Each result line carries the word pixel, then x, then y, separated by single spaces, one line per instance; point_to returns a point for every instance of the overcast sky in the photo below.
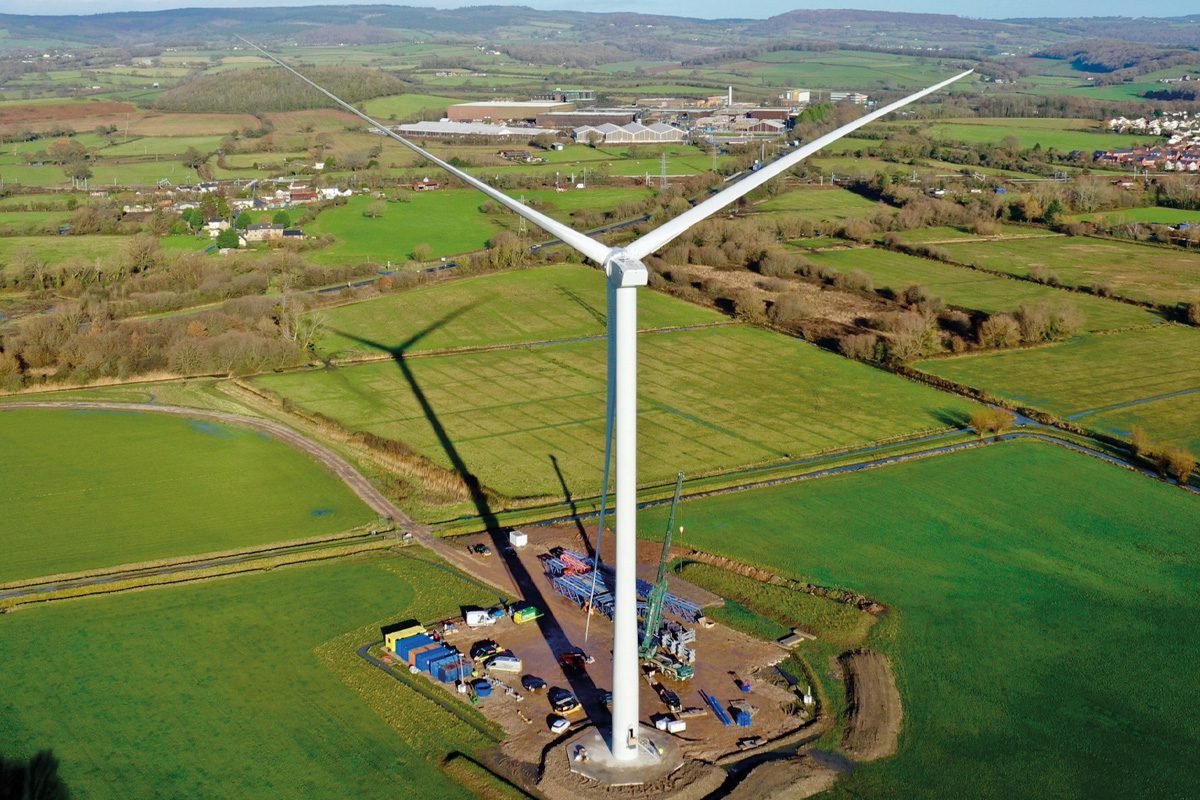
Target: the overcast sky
pixel 697 8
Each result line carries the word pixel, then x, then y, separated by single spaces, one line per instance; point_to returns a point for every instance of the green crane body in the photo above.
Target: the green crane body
pixel 652 619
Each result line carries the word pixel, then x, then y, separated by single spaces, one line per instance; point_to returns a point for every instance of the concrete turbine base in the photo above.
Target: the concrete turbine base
pixel 658 756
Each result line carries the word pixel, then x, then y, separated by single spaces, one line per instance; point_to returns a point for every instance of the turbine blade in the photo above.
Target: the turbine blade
pixel 593 249
pixel 660 236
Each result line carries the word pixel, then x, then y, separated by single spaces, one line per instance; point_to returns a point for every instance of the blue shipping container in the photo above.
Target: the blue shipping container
pixel 445 658
pixel 425 657
pixel 410 643
pixel 454 671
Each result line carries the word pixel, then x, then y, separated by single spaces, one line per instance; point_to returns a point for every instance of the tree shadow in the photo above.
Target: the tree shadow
pixel 952 417
pixel 526 583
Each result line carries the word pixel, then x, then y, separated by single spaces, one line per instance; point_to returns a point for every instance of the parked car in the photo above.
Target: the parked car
pixel 563 701
pixel 482 549
pixel 484 648
pixel 559 724
pixel 532 683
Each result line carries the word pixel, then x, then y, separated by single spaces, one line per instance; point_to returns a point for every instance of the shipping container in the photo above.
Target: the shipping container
pixel 452 670
pixel 445 658
pixel 527 614
pixel 416 651
pixel 403 647
pixel 400 630
pixel 424 658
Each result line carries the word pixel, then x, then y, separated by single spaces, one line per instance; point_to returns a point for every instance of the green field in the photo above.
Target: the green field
pixel 943 234
pixel 56 249
pixel 843 69
pixel 1141 272
pixel 823 204
pixel 1150 214
pixel 1060 134
pixel 449 221
pixel 982 291
pixel 236 688
pixel 90 489
pixel 409 107
pixel 710 399
pixel 560 302
pixel 1095 372
pixel 1040 608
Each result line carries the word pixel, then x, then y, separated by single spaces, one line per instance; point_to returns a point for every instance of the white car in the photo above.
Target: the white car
pixel 559 724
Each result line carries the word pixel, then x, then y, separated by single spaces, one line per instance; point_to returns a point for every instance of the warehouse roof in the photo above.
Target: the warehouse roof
pixel 470 129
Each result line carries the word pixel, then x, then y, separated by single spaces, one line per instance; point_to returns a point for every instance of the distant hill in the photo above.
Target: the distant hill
pixel 271 89
pixel 635 33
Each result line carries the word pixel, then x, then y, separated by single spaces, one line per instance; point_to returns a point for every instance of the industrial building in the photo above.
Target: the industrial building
pixel 567 120
pixel 796 97
pixel 568 96
pixel 858 98
pixel 448 128
pixel 634 132
pixel 504 110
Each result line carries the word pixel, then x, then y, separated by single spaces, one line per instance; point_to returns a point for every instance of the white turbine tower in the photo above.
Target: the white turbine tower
pixel 626 273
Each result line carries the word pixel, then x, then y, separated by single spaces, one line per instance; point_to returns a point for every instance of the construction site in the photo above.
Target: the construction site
pixel 539 663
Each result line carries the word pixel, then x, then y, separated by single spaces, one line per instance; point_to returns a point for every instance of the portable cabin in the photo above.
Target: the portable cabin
pixel 400 630
pixel 526 614
pixel 404 647
pixel 446 657
pixel 423 658
pixel 518 538
pixel 417 651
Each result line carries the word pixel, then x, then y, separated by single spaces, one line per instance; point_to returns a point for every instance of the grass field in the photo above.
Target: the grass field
pixel 982 291
pixel 1061 134
pixel 841 69
pixel 237 688
pixel 449 221
pixel 56 249
pixel 93 489
pixel 949 234
pixel 823 204
pixel 1094 372
pixel 1150 214
pixel 1038 599
pixel 1141 272
pixel 531 305
pixel 409 107
pixel 709 399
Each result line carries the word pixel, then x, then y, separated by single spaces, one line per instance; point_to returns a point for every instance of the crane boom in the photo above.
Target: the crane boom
pixel 652 619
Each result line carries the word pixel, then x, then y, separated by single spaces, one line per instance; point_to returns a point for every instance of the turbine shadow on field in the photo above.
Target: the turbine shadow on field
pixel 581 683
pixel 570 501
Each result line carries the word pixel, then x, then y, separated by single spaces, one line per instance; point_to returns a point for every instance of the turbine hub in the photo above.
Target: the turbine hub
pixel 624 270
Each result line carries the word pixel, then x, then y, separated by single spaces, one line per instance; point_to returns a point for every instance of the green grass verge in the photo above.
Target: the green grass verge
pixel 243 687
pixel 1038 599
pixel 90 489
pixel 559 302
pixel 967 288
pixel 704 397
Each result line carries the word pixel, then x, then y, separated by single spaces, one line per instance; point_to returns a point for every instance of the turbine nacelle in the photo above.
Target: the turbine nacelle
pixel 623 270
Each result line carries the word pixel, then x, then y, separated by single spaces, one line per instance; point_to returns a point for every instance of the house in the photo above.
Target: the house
pixel 426 185
pixel 302 196
pixel 293 234
pixel 264 233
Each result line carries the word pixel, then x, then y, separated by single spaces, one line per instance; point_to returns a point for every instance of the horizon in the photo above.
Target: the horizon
pixel 705 9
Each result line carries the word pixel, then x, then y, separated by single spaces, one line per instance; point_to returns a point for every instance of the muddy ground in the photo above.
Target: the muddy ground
pixel 874 715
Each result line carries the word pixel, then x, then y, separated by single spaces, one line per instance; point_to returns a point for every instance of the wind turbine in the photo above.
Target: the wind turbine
pixel 626 273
